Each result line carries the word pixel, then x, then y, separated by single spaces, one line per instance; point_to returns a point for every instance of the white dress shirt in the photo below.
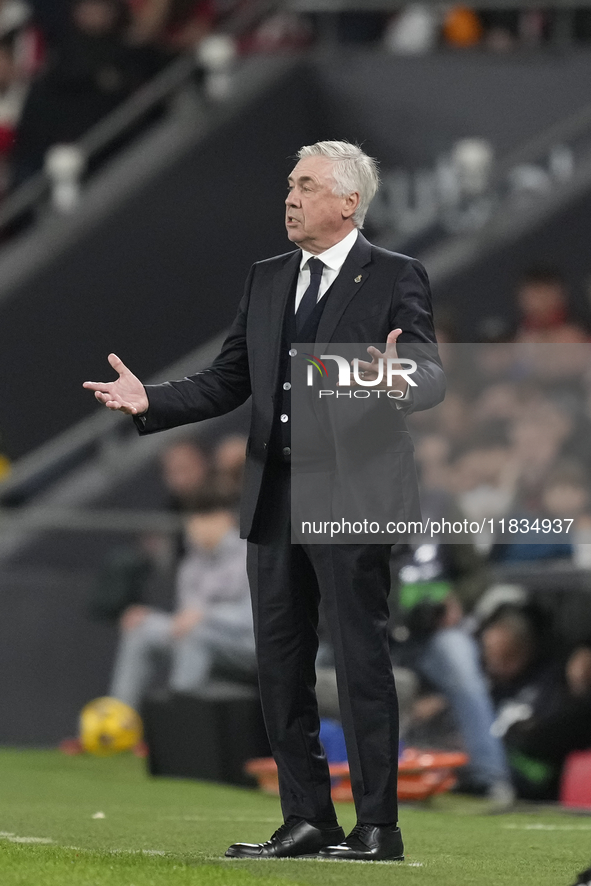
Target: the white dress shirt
pixel 333 260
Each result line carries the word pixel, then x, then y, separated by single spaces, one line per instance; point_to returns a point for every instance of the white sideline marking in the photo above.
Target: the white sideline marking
pixel 131 851
pixel 547 827
pixel 117 851
pixel 12 838
pixel 407 864
pixel 217 818
pixel 302 858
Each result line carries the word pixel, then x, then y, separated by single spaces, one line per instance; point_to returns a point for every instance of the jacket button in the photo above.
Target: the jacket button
pixel 284 417
pixel 286 385
pixel 286 450
pixel 292 352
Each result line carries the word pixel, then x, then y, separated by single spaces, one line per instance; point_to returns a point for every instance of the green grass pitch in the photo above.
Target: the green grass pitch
pixel 163 832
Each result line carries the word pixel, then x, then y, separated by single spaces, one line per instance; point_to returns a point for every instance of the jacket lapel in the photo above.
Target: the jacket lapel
pixel 283 282
pixel 345 287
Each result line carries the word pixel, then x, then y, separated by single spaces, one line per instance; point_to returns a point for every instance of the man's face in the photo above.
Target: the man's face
pixel 95 17
pixel 315 217
pixel 505 656
pixel 540 301
pixel 207 530
pixel 184 468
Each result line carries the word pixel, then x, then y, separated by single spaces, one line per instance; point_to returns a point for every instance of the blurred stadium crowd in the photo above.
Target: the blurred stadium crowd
pixel 511 438
pixel 65 64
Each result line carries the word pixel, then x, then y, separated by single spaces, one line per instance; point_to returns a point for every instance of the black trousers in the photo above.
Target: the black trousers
pixel 287 582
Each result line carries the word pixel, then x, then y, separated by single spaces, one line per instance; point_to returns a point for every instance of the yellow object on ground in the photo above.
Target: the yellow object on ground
pixel 109 726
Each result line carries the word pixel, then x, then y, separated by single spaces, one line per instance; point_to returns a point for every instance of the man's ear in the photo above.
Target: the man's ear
pixel 350 204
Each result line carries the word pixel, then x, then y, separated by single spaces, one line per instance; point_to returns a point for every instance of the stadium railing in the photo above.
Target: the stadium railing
pixel 516 213
pixel 561 32
pixel 33 193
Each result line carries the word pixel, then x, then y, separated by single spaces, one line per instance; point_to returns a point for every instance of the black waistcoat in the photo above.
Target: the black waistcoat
pixel 280 444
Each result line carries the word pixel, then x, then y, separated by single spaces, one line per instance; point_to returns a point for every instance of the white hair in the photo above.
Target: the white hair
pixel 352 170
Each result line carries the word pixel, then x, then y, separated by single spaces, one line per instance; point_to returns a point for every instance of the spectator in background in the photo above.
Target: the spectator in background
pixel 21 54
pixel 212 621
pixel 566 496
pixel 92 69
pixel 432 455
pixel 284 31
pixel 510 441
pixel 143 573
pixel 484 477
pixel 543 710
pixel 52 17
pixel 462 27
pixel 228 463
pixel 14 14
pixel 13 92
pixel 538 437
pixel 175 25
pixel 455 414
pixel 437 587
pixel 185 467
pixel 543 305
pixel 515 655
pixel 563 523
pixel 501 31
pixel 414 30
pixel 20 33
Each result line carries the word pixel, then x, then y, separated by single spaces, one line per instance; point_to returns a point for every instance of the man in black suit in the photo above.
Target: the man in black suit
pixel 335 287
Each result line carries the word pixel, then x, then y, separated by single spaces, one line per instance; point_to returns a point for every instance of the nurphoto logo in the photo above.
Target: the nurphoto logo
pixel 395 368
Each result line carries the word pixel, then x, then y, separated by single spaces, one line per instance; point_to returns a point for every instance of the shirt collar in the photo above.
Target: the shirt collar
pixel 334 258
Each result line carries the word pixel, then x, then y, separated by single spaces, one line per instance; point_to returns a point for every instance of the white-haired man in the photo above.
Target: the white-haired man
pixel 335 287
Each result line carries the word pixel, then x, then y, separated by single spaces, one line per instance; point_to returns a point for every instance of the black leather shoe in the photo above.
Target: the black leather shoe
pixel 584 878
pixel 368 842
pixel 296 837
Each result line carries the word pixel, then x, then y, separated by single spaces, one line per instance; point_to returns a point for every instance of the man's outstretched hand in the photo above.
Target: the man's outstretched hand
pixel 127 393
pixel 370 370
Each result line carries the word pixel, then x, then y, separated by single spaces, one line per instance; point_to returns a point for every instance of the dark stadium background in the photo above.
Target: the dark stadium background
pixel 151 264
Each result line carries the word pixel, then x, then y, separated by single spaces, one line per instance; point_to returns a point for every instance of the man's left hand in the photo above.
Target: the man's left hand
pixel 370 371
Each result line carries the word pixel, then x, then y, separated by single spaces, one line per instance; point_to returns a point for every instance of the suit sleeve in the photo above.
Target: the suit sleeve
pixel 413 313
pixel 220 388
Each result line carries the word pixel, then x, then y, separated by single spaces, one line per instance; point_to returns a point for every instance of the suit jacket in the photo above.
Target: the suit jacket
pixel 393 292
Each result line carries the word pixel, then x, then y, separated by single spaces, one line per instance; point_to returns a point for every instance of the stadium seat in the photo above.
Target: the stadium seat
pixel 575 787
pixel 209 736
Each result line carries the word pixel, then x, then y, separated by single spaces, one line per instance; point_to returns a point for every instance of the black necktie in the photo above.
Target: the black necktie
pixel 310 296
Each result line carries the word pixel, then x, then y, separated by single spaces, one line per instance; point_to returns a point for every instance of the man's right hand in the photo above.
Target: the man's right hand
pixel 127 393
